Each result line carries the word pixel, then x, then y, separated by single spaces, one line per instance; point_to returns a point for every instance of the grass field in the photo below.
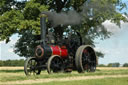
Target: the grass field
pixel 106 81
pixel 15 75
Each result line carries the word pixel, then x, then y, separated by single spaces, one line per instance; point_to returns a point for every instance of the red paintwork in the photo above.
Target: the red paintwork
pixel 56 50
pixel 64 53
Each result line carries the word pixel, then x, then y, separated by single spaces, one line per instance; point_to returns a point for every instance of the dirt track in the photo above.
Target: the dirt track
pixel 101 68
pixel 61 79
pixel 11 68
pixel 111 68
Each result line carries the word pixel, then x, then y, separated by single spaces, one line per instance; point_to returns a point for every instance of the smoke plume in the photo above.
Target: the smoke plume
pixel 69 18
pixel 88 10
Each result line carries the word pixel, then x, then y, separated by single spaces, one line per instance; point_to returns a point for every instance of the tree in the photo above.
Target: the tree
pixel 101 65
pixel 12 62
pixel 125 65
pixel 23 18
pixel 113 64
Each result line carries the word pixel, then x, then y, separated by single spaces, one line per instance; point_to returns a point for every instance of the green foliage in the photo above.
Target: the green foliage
pixel 15 20
pixel 101 65
pixel 23 18
pixel 26 48
pixel 6 5
pixel 10 21
pixel 125 65
pixel 21 21
pixel 12 62
pixel 113 65
pixel 99 54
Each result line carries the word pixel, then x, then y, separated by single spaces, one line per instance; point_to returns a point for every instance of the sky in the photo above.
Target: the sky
pixel 6 50
pixel 115 48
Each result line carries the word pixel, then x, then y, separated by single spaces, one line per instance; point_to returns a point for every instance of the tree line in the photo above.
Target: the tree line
pixel 12 62
pixel 21 63
pixel 113 65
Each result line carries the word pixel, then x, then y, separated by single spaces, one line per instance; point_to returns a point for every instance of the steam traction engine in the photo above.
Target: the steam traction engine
pixel 60 55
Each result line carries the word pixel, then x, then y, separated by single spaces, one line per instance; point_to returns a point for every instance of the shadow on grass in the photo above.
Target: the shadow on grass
pixel 12 71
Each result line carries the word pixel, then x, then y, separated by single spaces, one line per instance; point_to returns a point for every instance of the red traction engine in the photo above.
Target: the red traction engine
pixel 60 55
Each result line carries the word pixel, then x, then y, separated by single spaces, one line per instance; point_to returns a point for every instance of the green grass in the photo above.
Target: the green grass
pixel 13 75
pixel 105 81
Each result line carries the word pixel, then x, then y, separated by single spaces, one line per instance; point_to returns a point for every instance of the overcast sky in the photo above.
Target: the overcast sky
pixel 115 48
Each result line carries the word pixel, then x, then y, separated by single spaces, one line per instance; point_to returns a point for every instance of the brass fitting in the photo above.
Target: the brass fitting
pixel 43 15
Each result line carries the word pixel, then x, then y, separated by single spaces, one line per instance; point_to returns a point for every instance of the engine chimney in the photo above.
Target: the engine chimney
pixel 43 27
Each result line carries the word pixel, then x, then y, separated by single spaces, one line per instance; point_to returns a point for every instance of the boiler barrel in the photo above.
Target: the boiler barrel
pixel 47 51
pixel 56 50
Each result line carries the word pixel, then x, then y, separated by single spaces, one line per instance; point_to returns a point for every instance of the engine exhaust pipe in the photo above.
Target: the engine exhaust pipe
pixel 43 27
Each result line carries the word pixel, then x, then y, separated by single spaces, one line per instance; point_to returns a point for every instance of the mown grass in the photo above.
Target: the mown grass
pixel 105 81
pixel 14 75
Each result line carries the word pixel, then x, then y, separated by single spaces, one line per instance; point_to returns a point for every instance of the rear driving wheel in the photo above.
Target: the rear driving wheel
pixel 85 59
